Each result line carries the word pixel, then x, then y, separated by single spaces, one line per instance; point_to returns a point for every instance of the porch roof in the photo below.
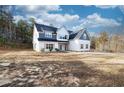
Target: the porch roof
pixel 53 40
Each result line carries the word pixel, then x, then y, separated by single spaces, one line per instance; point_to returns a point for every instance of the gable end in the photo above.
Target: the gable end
pixel 85 36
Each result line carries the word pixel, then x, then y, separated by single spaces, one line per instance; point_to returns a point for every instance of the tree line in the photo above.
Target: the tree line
pixel 11 32
pixel 108 42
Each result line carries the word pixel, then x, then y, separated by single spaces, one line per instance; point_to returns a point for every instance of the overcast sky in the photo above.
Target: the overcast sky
pixel 75 17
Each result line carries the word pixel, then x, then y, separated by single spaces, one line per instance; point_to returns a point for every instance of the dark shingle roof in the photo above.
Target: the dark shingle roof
pixel 46 39
pixel 72 36
pixel 41 27
pixel 49 39
pixel 70 31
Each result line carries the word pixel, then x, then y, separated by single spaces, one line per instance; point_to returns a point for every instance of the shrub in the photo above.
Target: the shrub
pixel 57 49
pixel 50 49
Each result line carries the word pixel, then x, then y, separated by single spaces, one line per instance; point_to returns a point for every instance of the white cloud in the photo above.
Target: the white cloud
pixel 56 19
pixel 38 8
pixel 59 18
pixel 121 7
pixel 95 20
pixel 18 17
pixel 42 14
pixel 45 8
pixel 106 6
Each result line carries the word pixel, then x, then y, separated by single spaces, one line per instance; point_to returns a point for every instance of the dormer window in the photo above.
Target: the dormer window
pixel 48 34
pixel 63 37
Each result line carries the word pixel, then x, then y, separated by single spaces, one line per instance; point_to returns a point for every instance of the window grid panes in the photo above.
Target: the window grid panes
pixel 48 35
pixel 82 46
pixel 49 46
pixel 63 37
pixel 86 46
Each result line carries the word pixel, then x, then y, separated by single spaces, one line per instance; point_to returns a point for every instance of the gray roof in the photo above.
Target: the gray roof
pixel 73 35
pixel 41 27
pixel 49 39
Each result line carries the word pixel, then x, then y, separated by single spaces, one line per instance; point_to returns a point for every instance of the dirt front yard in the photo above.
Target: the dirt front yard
pixel 29 68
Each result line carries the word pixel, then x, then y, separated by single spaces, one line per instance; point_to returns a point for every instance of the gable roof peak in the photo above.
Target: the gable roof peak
pixel 63 26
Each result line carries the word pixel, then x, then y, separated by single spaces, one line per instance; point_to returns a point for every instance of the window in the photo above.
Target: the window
pixel 82 46
pixel 66 36
pixel 63 37
pixel 85 36
pixel 86 46
pixel 49 46
pixel 48 34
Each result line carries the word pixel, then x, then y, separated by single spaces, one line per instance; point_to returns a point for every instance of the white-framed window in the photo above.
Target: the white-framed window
pixel 63 37
pixel 49 46
pixel 82 46
pixel 87 46
pixel 48 34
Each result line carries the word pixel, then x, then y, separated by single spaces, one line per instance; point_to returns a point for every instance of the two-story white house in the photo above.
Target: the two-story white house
pixel 49 37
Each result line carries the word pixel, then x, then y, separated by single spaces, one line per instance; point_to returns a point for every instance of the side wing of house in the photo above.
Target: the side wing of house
pixel 79 41
pixel 45 39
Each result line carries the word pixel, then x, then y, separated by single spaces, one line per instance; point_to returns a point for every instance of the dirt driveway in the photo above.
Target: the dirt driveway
pixel 29 68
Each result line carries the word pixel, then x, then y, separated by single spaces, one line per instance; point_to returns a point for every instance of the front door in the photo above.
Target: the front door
pixel 66 47
pixel 63 47
pixel 60 47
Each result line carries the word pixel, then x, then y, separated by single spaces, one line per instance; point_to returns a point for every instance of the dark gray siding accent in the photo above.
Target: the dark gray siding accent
pixel 42 35
pixel 82 36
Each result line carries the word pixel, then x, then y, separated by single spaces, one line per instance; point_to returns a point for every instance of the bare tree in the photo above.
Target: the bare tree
pixel 103 39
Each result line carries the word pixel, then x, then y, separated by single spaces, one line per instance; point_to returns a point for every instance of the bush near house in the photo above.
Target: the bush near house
pixel 57 49
pixel 50 49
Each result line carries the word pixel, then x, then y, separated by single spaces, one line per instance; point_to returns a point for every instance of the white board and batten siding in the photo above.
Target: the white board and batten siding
pixel 62 32
pixel 42 45
pixel 39 45
pixel 75 45
pixel 35 39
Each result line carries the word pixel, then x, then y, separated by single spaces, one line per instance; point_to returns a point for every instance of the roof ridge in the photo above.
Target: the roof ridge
pixel 77 31
pixel 80 32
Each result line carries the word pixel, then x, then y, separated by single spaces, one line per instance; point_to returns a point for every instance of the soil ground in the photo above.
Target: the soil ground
pixel 30 68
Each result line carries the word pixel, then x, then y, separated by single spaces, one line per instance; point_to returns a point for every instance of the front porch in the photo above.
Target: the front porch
pixel 63 46
pixel 54 46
